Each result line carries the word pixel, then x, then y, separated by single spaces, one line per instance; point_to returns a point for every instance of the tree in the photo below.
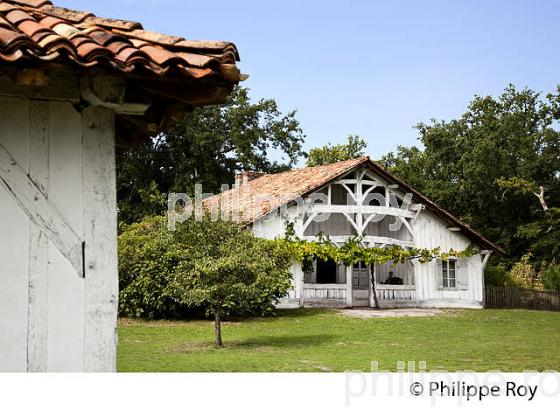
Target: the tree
pixel 496 139
pixel 228 270
pixel 329 154
pixel 208 146
pixel 543 233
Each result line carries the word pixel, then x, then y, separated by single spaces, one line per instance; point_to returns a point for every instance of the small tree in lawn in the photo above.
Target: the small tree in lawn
pixel 229 271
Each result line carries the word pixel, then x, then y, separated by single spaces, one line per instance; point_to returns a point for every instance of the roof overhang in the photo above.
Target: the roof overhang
pixel 153 78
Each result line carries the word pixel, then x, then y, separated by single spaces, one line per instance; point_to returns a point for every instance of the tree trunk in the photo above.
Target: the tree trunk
pixel 375 300
pixel 218 327
pixel 540 195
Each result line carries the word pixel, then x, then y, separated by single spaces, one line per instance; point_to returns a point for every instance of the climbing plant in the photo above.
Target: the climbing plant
pixel 352 251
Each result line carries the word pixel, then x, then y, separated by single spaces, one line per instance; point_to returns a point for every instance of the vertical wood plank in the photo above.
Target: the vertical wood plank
pixel 65 344
pixel 37 319
pixel 14 243
pixel 100 229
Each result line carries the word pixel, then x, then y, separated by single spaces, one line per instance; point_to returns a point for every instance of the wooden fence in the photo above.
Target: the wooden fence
pixel 513 298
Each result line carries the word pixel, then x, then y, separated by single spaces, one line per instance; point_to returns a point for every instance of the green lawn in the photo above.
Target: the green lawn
pixel 325 340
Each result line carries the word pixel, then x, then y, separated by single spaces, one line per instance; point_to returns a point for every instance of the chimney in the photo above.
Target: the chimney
pixel 247 176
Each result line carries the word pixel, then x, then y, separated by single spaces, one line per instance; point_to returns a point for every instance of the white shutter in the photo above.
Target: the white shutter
pixel 462 274
pixel 439 274
pixel 341 273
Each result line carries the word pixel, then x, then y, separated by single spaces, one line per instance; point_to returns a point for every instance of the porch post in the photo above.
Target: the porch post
pixel 372 276
pixel 348 286
pixel 298 283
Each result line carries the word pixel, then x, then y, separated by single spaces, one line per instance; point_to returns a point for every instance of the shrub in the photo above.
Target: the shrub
pixel 148 259
pixel 524 274
pixel 498 276
pixel 167 274
pixel 551 277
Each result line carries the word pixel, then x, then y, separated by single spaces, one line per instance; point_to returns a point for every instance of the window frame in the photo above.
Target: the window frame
pixel 446 274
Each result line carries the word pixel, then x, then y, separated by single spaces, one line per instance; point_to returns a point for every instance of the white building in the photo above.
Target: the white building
pixel 358 198
pixel 74 86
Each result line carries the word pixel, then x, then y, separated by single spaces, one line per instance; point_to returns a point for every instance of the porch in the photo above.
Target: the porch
pixel 336 285
pixel 335 295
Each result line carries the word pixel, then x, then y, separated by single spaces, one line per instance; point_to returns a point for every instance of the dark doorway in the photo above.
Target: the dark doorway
pixel 326 271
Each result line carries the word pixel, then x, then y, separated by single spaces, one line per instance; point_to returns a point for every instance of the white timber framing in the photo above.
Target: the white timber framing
pixel 42 212
pixel 101 265
pixel 80 225
pixel 109 92
pixel 360 213
pixel 37 314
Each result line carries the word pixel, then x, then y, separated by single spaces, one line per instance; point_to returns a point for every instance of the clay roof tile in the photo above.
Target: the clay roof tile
pixel 40 30
pixel 17 16
pixel 31 27
pixel 32 3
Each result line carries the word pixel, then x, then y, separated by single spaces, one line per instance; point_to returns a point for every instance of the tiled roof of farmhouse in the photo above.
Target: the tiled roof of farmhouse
pixel 38 30
pixel 269 192
pixel 258 197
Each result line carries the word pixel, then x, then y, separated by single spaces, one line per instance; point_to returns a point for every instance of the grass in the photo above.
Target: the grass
pixel 325 340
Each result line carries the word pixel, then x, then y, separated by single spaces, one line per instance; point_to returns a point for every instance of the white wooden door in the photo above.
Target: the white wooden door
pixel 360 284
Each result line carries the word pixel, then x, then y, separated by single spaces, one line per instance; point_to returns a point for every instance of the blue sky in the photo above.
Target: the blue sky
pixel 368 67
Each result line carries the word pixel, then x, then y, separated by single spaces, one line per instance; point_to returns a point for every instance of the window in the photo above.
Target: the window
pixel 449 274
pixel 326 271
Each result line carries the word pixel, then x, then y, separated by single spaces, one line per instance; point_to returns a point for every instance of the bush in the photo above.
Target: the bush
pixel 148 259
pixel 551 277
pixel 157 266
pixel 525 275
pixel 498 276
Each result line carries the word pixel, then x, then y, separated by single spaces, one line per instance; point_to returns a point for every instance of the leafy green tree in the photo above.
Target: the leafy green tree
pixel 329 154
pixel 497 139
pixel 208 146
pixel 543 233
pixel 217 266
pixel 231 272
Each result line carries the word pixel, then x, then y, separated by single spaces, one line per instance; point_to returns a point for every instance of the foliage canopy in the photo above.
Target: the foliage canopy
pixel 486 166
pixel 329 154
pixel 208 146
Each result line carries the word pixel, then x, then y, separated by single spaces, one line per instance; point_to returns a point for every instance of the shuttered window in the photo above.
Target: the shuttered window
pixel 452 274
pixel 449 274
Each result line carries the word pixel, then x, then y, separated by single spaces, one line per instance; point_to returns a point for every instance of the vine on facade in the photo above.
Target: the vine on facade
pixel 352 251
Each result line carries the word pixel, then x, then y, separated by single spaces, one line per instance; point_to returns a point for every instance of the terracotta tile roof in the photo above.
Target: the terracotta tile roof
pixel 282 188
pixel 38 30
pixel 279 189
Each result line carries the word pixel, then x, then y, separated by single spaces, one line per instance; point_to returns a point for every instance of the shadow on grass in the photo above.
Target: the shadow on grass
pixel 283 341
pixel 283 313
pixel 280 314
pixel 262 343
